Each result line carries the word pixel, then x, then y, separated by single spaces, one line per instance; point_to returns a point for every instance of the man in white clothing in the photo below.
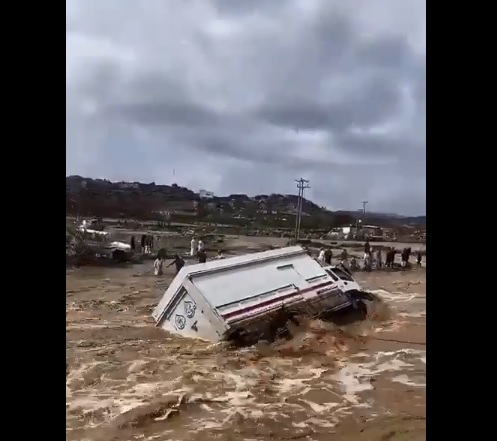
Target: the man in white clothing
pixel 193 246
pixel 321 255
pixel 158 267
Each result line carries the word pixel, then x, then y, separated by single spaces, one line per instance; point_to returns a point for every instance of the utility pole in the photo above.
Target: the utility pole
pixel 302 184
pixel 364 203
pixel 358 221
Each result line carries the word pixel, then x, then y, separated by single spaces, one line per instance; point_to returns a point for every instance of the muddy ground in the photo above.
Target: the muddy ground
pixel 128 380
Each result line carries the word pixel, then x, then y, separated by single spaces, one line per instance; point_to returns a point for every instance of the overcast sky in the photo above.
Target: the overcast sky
pixel 244 96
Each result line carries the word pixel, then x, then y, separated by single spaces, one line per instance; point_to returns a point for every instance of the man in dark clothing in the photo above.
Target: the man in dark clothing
pixel 328 255
pixel 390 257
pixel 178 262
pixel 201 256
pixel 132 243
pixel 418 259
pixel 367 247
pixel 143 242
pixel 151 242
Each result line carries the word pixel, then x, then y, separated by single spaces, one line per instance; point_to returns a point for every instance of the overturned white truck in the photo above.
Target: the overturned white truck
pixel 251 297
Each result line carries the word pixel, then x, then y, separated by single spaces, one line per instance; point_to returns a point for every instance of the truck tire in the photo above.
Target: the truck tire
pixel 119 256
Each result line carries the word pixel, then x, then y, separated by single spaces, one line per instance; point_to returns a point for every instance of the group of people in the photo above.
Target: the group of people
pixel 371 256
pixel 146 243
pixel 325 255
pixel 196 249
pixel 178 262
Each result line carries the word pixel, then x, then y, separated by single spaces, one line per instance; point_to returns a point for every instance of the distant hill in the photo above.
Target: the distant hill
pixel 100 197
pixel 414 220
pixel 390 217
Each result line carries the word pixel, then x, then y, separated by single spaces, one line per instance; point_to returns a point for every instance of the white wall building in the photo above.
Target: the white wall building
pixel 204 194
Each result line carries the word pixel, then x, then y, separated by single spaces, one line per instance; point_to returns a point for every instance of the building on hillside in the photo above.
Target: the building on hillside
pixel 204 194
pixel 126 185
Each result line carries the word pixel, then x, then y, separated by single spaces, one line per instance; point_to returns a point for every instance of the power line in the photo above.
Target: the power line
pixel 302 184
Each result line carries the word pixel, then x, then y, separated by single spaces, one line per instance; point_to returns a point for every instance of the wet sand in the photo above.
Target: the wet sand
pixel 128 380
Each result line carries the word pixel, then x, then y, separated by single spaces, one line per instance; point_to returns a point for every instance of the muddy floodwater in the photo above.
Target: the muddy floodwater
pixel 128 380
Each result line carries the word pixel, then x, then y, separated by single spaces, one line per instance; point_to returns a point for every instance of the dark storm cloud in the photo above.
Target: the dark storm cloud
pixel 247 95
pixel 373 103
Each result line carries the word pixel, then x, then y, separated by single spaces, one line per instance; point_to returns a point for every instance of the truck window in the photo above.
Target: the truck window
pixel 333 276
pixel 342 274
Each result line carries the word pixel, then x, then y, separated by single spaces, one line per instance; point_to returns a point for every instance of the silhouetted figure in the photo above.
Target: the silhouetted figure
pixel 132 243
pixel 201 256
pixel 390 258
pixel 143 243
pixel 328 255
pixel 418 259
pixel 178 262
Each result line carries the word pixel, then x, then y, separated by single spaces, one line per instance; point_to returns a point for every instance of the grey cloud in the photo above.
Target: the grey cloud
pixel 244 96
pixel 388 53
pixel 373 103
pixel 166 113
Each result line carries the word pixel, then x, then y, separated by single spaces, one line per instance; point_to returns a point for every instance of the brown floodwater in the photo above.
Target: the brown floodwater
pixel 128 380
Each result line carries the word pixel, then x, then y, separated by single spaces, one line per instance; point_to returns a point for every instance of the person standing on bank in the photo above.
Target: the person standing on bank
pixel 158 266
pixel 201 256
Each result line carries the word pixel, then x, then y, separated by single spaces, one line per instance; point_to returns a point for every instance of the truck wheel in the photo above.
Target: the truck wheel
pixel 119 256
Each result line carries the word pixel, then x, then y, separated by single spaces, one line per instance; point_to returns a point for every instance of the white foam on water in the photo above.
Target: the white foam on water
pixel 412 314
pixel 293 385
pixel 355 378
pixel 394 297
pixel 404 379
pixel 320 408
pixel 314 421
pixel 406 351
pixel 112 406
pixel 392 365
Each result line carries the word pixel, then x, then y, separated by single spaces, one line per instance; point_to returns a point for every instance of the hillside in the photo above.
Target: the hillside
pixel 99 197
